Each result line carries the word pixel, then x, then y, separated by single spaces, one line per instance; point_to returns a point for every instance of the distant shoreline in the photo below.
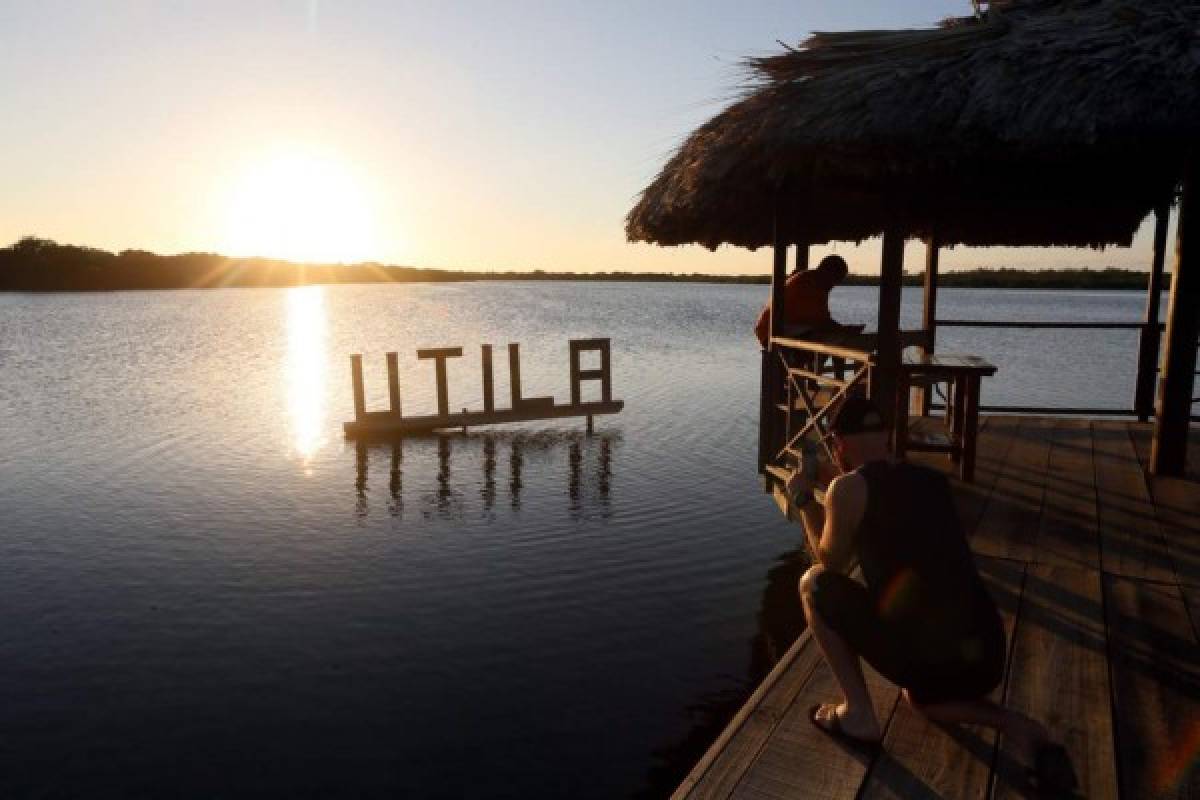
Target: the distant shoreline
pixel 41 265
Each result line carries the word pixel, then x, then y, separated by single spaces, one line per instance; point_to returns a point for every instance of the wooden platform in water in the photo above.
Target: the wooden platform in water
pixel 1096 568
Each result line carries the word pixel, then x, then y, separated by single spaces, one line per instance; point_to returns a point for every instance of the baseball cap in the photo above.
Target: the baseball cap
pixel 857 414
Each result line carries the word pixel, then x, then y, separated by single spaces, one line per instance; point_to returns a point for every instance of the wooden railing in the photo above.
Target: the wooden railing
pixel 802 382
pixel 1145 379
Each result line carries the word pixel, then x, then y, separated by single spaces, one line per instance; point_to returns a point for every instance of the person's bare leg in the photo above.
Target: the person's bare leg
pixel 856 713
pixel 1022 731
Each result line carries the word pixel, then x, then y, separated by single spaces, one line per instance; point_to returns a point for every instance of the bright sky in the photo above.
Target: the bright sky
pixel 465 134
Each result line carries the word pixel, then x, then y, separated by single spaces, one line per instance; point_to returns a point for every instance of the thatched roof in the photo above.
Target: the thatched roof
pixel 1041 122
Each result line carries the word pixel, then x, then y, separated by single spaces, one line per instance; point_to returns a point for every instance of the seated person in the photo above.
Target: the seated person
pixel 924 620
pixel 806 298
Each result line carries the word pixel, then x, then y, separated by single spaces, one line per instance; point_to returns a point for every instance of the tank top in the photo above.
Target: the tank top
pixel 915 559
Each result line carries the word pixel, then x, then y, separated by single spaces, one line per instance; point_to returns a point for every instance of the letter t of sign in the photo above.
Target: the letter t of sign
pixel 440 354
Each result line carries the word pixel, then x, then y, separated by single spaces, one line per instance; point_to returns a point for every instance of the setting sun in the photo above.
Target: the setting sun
pixel 302 205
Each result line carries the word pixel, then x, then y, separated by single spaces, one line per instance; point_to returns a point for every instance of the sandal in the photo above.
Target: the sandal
pixel 833 729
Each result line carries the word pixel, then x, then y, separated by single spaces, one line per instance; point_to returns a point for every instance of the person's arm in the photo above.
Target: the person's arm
pixel 830 527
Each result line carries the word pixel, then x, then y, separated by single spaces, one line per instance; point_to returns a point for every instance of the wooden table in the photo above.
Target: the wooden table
pixel 963 373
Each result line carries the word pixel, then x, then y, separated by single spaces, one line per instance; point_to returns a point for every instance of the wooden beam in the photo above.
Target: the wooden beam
pixel 393 369
pixel 514 374
pixel 1168 453
pixel 384 422
pixel 802 256
pixel 356 378
pixel 891 277
pixel 929 314
pixel 778 273
pixel 1150 337
pixel 489 393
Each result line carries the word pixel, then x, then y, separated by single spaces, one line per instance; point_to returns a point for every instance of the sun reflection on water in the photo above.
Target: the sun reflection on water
pixel 306 370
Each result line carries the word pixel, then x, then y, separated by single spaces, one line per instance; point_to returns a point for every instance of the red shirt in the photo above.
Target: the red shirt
pixel 805 302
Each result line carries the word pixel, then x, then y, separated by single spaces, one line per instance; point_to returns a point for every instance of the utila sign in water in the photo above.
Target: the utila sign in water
pixel 393 421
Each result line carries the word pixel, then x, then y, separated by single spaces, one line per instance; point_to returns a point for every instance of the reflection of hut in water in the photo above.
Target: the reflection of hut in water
pixel 464 461
pixel 1042 122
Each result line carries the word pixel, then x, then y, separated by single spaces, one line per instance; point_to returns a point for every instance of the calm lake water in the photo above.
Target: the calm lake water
pixel 207 592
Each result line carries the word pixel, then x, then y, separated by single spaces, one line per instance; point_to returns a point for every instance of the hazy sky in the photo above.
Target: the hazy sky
pixel 508 135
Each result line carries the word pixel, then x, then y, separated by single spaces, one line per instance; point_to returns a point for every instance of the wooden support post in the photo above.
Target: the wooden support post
pixel 356 377
pixel 766 412
pixel 1150 338
pixel 393 367
pixel 439 355
pixel 891 275
pixel 929 315
pixel 603 374
pixel 778 274
pixel 801 257
pixel 1168 450
pixel 489 393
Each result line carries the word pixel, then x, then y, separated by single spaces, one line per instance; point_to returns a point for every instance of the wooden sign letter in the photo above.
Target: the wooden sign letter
pixel 514 382
pixel 604 374
pixel 440 354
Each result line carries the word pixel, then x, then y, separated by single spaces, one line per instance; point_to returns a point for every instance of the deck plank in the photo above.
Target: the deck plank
pixel 800 760
pixel 1156 688
pixel 1069 534
pixel 1131 543
pixel 728 758
pixel 924 760
pixel 1059 675
pixel 1009 526
pixel 1177 507
pixel 996 437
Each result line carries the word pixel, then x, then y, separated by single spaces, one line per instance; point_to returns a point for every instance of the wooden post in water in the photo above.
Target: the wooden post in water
pixel 1168 450
pixel 929 314
pixel 439 355
pixel 489 394
pixel 393 368
pixel 1150 339
pixel 891 277
pixel 356 378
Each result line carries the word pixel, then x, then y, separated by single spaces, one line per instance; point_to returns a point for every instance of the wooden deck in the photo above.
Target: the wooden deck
pixel 1096 569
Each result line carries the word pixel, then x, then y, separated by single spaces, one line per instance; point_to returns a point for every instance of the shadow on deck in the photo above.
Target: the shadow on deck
pixel 1096 569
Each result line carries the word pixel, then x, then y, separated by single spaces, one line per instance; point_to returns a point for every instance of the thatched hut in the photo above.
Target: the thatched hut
pixel 1032 122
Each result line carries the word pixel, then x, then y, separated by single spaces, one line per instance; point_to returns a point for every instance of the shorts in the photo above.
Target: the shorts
pixel 956 667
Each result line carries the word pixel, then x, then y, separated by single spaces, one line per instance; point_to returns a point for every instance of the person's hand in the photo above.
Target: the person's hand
pixel 826 472
pixel 799 487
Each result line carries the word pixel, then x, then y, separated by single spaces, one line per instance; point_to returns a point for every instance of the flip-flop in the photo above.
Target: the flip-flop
pixel 1053 774
pixel 834 730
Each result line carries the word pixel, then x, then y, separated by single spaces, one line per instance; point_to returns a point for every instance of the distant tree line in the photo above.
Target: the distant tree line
pixel 34 264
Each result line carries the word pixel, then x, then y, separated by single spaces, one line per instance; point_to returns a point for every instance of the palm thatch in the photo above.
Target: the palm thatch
pixel 1037 122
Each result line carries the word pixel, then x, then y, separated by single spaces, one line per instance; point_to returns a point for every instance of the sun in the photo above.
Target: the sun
pixel 300 204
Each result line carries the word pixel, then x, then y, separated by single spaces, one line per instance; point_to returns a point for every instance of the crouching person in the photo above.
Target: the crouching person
pixel 924 619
